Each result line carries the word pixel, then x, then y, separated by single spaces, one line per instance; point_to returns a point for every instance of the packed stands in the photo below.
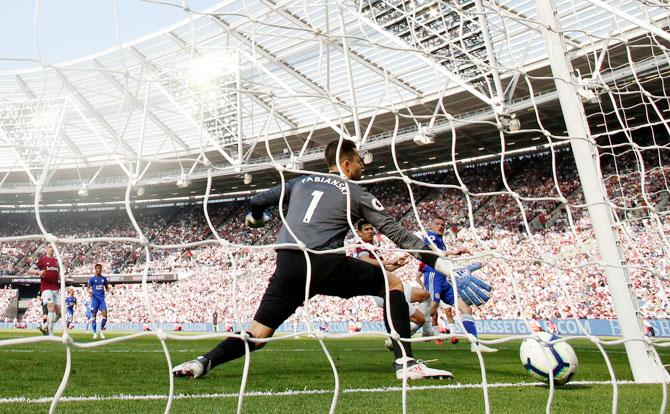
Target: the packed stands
pixel 541 274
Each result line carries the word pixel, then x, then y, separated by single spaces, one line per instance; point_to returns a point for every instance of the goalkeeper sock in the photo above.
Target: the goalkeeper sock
pixel 227 350
pixel 400 318
pixel 469 325
pixel 94 325
pixel 103 323
pixel 451 327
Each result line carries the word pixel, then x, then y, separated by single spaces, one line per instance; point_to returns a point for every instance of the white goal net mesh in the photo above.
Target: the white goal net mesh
pixel 456 100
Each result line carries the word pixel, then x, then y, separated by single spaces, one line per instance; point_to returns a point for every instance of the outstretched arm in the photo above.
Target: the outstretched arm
pixel 269 198
pixel 389 265
pixel 372 210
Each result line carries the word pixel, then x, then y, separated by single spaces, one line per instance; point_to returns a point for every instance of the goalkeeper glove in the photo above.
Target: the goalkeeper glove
pixel 250 221
pixel 473 290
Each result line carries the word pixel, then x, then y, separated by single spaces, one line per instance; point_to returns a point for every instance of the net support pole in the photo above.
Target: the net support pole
pixel 643 359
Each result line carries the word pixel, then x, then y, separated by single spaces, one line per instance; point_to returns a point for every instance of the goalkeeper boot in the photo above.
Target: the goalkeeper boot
pixel 454 340
pixel 482 348
pixel 43 329
pixel 195 368
pixel 418 370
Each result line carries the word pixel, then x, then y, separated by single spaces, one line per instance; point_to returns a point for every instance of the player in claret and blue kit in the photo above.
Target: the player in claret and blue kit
pixel 48 269
pixel 97 285
pixel 70 305
pixel 472 290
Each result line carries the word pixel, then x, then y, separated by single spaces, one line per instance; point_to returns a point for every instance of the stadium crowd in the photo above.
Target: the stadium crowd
pixel 7 294
pixel 551 272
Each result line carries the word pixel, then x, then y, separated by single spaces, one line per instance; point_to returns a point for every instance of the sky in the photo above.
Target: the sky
pixel 70 29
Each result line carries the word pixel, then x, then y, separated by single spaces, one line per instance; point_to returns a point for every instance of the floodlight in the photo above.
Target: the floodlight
pixel 423 137
pixel 588 95
pixel 203 69
pixel 294 164
pixel 368 158
pixel 588 89
pixel 183 182
pixel 510 122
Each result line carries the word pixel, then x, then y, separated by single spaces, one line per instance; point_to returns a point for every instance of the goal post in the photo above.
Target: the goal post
pixel 643 358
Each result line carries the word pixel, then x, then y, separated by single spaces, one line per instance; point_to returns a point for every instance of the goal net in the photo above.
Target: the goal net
pixel 538 129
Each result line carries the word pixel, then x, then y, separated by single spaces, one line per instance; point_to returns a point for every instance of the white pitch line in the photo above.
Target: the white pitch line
pixel 127 397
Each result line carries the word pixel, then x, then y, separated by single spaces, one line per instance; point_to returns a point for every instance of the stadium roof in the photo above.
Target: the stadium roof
pixel 267 72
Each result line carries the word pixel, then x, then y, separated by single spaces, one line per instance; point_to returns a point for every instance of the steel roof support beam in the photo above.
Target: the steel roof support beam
pixel 431 62
pixel 491 57
pixel 273 58
pixel 338 45
pixel 66 138
pixel 300 99
pixel 75 149
pixel 524 20
pixel 184 46
pixel 185 114
pixel 645 24
pixel 103 141
pixel 24 87
pixel 137 104
pixel 95 114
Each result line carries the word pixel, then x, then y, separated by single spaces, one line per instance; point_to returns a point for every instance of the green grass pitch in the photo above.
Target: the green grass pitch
pixel 138 368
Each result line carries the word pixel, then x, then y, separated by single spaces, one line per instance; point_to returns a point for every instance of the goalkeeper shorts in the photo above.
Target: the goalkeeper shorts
pixel 331 274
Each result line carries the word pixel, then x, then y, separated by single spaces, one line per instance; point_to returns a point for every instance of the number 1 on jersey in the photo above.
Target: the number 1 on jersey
pixel 316 196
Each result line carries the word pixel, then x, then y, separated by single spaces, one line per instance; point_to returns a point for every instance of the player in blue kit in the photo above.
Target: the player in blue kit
pixel 70 305
pixel 97 284
pixel 440 287
pixel 87 307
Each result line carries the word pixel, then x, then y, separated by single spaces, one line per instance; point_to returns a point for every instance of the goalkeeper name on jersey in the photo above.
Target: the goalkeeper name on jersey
pixel 318 214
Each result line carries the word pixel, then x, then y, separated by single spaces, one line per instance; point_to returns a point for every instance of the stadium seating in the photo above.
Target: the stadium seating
pixel 6 296
pixel 524 287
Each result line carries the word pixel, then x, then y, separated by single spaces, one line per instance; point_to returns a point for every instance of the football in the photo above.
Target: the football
pixel 542 359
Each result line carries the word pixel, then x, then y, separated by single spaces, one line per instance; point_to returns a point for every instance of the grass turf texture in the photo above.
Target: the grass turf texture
pixel 138 367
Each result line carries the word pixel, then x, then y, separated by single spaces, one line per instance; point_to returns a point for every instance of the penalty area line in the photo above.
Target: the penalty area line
pixel 128 397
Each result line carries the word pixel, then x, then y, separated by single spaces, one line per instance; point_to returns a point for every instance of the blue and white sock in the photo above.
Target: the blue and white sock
pixel 469 324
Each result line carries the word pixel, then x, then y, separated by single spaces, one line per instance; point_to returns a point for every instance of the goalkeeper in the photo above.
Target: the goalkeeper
pixel 317 219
